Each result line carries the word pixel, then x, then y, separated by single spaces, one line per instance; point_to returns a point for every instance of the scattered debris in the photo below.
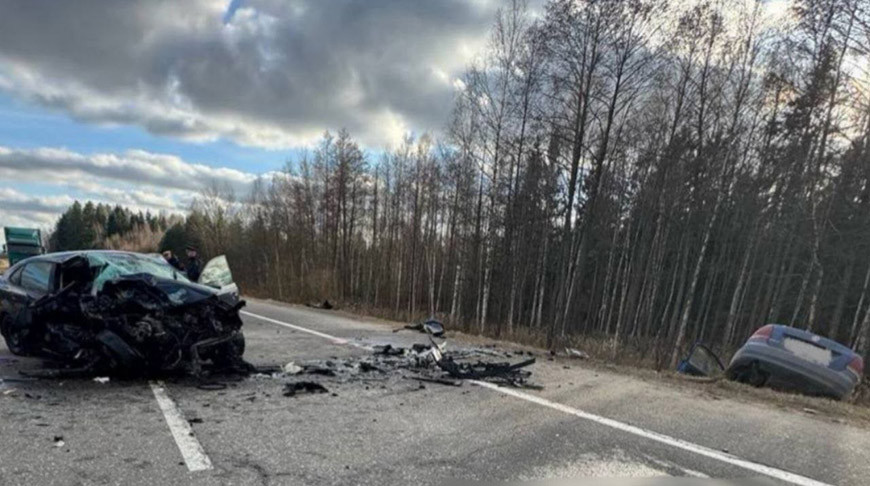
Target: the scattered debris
pixel 314 369
pixel 431 327
pixel 102 379
pixel 212 386
pixel 292 389
pixel 512 374
pixel 325 305
pixel 442 381
pixel 292 368
pixel 576 353
pixel 366 367
pixel 389 350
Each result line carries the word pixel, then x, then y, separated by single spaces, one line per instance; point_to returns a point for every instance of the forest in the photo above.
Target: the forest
pixel 639 174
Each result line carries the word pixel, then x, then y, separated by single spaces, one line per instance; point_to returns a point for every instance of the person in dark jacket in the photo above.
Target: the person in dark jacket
pixel 194 264
pixel 172 260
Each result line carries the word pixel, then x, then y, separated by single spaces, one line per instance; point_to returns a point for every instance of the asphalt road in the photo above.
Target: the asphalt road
pixel 388 430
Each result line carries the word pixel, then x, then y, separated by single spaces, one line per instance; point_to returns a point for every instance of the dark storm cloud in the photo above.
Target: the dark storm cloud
pixel 268 73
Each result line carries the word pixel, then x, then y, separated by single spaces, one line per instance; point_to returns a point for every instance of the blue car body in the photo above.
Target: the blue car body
pixel 790 358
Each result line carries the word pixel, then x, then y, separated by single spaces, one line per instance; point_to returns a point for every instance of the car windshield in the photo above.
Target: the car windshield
pixel 120 264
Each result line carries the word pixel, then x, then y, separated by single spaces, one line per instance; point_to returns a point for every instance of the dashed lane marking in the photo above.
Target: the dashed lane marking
pixel 191 450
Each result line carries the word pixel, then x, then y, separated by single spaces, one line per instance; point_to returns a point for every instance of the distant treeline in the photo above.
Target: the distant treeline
pixel 104 226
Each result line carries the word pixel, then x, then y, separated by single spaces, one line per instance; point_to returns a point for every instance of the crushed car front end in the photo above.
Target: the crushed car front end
pixel 126 313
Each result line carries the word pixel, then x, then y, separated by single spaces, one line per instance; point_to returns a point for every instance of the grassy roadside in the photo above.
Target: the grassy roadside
pixel 633 361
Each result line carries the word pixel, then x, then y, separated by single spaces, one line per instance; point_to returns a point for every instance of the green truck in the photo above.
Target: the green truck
pixel 22 243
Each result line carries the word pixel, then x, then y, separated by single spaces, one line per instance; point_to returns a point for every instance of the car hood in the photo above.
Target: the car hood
pixel 177 292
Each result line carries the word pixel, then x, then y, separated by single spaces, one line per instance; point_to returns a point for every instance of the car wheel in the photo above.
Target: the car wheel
pixel 750 375
pixel 229 353
pixel 15 341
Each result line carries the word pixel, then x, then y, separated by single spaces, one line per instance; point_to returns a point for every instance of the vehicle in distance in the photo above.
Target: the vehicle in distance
pixel 22 243
pixel 121 311
pixel 785 357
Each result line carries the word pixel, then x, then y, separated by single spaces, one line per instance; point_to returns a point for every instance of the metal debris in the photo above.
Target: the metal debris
pixel 389 350
pixel 576 353
pixel 326 305
pixel 292 368
pixel 512 374
pixel 292 389
pixel 431 327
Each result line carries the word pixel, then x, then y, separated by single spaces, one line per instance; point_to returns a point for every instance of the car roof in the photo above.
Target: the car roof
pixel 63 256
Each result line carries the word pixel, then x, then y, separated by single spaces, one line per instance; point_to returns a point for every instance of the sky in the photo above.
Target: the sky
pixel 145 103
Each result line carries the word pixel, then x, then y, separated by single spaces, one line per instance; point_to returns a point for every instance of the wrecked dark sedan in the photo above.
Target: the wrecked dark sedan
pixel 114 311
pixel 790 358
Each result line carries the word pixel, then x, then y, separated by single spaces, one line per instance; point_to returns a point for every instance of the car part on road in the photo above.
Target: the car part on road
pixel 431 327
pixel 576 353
pixel 295 388
pixel 325 305
pixel 442 381
pixel 512 374
pixel 292 368
pixel 389 350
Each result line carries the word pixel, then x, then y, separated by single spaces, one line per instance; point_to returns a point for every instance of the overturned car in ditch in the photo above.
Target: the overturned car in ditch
pixel 122 312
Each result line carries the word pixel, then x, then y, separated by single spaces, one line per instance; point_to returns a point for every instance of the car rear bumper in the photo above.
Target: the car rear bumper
pixel 788 371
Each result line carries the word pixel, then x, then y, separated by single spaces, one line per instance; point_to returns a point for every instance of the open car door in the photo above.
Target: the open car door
pixel 217 274
pixel 701 361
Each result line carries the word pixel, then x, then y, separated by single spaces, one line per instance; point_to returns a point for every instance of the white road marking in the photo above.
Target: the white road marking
pixel 664 439
pixel 334 339
pixel 647 434
pixel 191 450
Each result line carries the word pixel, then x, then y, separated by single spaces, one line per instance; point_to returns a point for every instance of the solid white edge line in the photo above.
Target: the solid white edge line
pixel 191 450
pixel 648 434
pixel 334 339
pixel 661 438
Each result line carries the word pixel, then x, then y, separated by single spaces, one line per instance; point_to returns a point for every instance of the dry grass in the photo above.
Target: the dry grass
pixel 855 411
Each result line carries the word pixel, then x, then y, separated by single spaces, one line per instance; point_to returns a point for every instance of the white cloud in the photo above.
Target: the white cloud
pixel 133 166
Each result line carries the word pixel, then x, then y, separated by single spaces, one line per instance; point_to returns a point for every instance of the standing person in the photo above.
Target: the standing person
pixel 194 264
pixel 172 260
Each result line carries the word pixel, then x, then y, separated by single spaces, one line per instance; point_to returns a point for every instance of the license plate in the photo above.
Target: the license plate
pixel 808 351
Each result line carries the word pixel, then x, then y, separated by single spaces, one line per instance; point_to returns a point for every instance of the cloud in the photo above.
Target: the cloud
pixel 264 73
pixel 133 166
pixel 16 202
